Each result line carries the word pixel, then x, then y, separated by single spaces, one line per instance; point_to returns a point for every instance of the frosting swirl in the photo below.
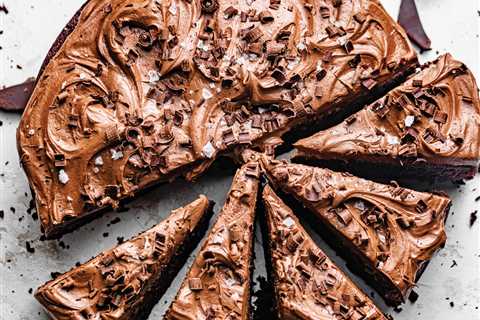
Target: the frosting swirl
pixel 141 90
pixel 395 230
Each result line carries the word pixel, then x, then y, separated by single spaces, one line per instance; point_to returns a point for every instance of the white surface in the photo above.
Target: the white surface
pixel 29 30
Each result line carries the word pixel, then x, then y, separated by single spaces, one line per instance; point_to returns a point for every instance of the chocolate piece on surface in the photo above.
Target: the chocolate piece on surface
pixel 307 284
pixel 410 20
pixel 221 271
pixel 387 239
pixel 134 63
pixel 15 98
pixel 426 129
pixel 125 282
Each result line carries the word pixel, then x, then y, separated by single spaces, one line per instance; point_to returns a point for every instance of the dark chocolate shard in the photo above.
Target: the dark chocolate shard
pixel 15 98
pixel 410 20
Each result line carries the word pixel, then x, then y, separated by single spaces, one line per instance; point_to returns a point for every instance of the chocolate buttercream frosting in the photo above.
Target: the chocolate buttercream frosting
pixel 386 232
pixel 217 285
pixel 124 283
pixel 432 119
pixel 137 92
pixel 307 284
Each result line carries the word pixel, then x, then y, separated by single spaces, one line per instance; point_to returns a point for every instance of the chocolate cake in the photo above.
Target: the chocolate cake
pixel 386 233
pixel 307 284
pixel 135 93
pixel 427 127
pixel 125 283
pixel 217 285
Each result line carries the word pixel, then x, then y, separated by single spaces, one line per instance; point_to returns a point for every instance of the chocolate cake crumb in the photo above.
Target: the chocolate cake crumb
pixel 2 214
pixel 12 209
pixel 397 309
pixel 30 291
pixel 29 247
pixel 477 198
pixel 105 234
pixel 120 240
pixel 454 264
pixel 115 221
pixel 452 304
pixel 4 8
pixel 55 275
pixel 473 218
pixel 413 297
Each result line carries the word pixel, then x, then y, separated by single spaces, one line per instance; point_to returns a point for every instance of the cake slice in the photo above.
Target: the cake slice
pixel 387 233
pixel 427 127
pixel 134 94
pixel 217 285
pixel 124 283
pixel 307 284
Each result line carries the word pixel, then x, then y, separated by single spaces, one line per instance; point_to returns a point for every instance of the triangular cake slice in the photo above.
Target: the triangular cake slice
pixel 307 284
pixel 217 285
pixel 387 233
pixel 125 282
pixel 427 127
pixel 137 93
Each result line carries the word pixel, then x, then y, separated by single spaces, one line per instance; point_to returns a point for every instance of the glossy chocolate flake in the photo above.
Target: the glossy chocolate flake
pixel 181 73
pixel 124 283
pixel 307 284
pixel 387 231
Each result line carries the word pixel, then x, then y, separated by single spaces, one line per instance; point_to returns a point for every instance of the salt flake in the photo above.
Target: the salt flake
pixel 409 120
pixel 208 150
pixel 116 155
pixel 63 176
pixel 99 161
pixel 206 94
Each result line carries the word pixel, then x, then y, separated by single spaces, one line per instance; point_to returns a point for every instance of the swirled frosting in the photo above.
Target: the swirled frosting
pixel 394 230
pixel 307 284
pixel 217 285
pixel 141 91
pixel 433 117
pixel 115 284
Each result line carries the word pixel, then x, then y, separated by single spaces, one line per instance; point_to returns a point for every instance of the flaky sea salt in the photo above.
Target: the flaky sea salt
pixel 63 177
pixel 99 161
pixel 173 8
pixel 409 120
pixel 208 150
pixel 206 94
pixel 116 155
pixel 392 140
pixel 153 76
pixel 288 222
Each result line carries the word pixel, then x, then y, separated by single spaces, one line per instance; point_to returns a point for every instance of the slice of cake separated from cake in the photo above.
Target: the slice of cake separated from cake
pixel 217 286
pixel 427 127
pixel 386 233
pixel 136 93
pixel 307 284
pixel 126 282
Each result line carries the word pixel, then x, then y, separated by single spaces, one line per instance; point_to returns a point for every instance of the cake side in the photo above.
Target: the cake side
pixel 128 99
pixel 217 286
pixel 307 284
pixel 388 234
pixel 125 282
pixel 431 121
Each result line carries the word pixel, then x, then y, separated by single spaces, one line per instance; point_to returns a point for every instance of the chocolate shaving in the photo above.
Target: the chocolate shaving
pixel 369 83
pixel 15 98
pixel 253 35
pixel 440 116
pixel 265 16
pixel 409 19
pixel 473 218
pixel 230 12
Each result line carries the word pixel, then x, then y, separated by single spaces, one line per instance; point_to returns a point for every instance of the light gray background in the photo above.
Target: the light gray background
pixel 29 30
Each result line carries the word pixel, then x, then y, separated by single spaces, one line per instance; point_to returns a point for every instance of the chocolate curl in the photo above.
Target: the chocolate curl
pixel 410 21
pixel 15 98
